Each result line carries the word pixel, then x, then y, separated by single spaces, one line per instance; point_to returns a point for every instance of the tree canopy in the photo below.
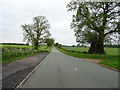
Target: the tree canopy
pixel 95 23
pixel 58 45
pixel 36 32
pixel 49 41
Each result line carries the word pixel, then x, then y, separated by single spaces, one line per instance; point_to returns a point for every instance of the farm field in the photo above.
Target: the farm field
pixel 110 59
pixel 109 51
pixel 15 52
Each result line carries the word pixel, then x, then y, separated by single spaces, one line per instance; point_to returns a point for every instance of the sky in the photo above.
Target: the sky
pixel 14 13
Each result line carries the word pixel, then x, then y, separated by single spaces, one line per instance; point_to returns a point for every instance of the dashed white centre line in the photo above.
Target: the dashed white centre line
pixel 76 69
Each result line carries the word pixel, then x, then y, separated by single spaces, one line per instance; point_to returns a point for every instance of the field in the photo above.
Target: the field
pixel 109 51
pixel 109 59
pixel 15 52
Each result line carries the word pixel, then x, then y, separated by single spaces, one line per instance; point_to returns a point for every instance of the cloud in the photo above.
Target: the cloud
pixel 14 13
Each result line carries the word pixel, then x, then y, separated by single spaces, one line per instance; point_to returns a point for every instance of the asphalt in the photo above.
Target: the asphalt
pixel 58 70
pixel 19 65
pixel 15 72
pixel 0 71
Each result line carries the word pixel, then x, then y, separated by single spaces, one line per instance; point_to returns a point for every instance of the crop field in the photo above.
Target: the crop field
pixel 109 59
pixel 14 52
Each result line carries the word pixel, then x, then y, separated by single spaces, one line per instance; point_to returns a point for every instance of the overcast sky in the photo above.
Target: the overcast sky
pixel 14 13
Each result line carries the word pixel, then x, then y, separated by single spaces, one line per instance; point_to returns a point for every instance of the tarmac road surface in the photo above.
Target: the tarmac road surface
pixel 58 70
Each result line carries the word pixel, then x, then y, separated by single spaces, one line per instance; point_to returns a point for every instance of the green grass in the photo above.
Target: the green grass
pixel 24 46
pixel 77 48
pixel 8 60
pixel 16 52
pixel 112 51
pixel 109 59
pixel 20 46
pixel 109 51
pixel 44 48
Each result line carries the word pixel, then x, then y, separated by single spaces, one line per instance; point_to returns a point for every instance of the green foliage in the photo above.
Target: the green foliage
pixel 49 41
pixel 95 23
pixel 58 45
pixel 73 45
pixel 36 32
pixel 113 46
pixel 15 52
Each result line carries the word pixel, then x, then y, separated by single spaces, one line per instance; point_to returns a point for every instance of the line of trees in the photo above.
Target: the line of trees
pixel 95 23
pixel 58 45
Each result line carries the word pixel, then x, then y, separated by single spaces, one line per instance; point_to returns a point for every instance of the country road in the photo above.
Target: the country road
pixel 58 70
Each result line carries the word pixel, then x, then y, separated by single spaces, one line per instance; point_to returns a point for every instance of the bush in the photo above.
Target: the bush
pixel 13 52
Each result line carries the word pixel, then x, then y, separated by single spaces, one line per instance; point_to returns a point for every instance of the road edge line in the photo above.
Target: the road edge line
pixel 23 81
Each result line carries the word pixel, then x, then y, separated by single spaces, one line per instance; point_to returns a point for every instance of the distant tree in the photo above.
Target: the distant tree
pixel 56 44
pixel 73 45
pixel 36 32
pixel 95 23
pixel 59 46
pixel 49 42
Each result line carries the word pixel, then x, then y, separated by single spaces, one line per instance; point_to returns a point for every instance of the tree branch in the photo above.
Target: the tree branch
pixel 91 23
pixel 116 30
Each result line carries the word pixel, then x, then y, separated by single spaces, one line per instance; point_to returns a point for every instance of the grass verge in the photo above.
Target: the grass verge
pixel 16 52
pixel 107 60
pixel 8 60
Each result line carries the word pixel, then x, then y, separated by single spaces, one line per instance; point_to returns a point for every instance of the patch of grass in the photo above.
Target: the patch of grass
pixel 112 51
pixel 20 46
pixel 44 48
pixel 76 48
pixel 108 60
pixel 8 60
pixel 14 52
pixel 109 51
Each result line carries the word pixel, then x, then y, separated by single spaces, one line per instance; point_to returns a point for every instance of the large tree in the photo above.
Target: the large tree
pixel 95 23
pixel 36 32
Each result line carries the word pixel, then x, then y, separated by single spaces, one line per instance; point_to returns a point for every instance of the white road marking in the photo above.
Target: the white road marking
pixel 76 69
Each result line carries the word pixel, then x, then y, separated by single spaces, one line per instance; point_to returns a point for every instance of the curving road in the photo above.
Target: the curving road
pixel 58 70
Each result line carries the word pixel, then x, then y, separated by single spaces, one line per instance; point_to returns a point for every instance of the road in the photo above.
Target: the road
pixel 58 70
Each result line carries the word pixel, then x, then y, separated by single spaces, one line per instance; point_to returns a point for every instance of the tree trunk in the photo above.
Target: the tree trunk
pixel 97 47
pixel 36 45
